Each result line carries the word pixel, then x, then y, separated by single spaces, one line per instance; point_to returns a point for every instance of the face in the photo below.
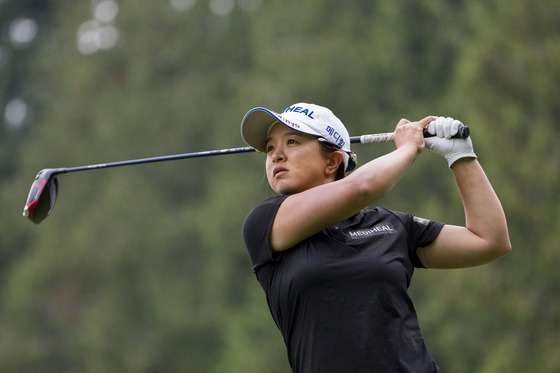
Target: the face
pixel 295 161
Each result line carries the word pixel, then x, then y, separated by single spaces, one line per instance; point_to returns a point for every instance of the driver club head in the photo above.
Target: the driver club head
pixel 42 195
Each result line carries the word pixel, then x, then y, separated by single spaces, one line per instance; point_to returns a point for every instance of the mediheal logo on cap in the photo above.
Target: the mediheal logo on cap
pixel 299 109
pixel 323 122
pixel 336 136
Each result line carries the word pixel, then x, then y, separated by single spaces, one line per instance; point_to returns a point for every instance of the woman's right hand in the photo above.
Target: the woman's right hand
pixel 408 132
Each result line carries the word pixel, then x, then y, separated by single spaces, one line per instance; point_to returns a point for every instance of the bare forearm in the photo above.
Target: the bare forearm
pixel 377 177
pixel 484 215
pixel 485 235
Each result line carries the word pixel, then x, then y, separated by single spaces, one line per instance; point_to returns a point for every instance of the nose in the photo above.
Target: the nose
pixel 277 157
pixel 277 154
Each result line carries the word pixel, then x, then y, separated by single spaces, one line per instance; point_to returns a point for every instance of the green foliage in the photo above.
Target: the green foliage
pixel 144 269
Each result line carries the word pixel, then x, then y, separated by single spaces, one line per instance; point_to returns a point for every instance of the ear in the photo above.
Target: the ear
pixel 334 160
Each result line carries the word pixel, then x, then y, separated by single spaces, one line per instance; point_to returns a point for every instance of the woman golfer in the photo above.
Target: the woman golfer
pixel 336 273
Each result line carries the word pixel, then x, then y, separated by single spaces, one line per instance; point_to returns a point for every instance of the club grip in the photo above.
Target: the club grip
pixel 462 133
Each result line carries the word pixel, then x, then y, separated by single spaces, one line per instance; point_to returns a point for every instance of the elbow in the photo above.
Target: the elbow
pixel 502 248
pixel 361 193
pixel 506 248
pixel 496 242
pixel 366 192
pixel 505 242
pixel 492 250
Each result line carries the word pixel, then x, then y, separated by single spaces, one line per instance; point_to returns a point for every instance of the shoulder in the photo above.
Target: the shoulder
pixel 256 231
pixel 270 204
pixel 262 214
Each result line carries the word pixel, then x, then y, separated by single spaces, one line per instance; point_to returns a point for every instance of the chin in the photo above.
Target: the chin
pixel 284 189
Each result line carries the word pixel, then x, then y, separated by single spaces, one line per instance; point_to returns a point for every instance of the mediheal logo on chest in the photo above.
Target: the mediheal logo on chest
pixel 378 229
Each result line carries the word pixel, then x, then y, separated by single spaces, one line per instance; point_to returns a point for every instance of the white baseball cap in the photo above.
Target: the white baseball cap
pixel 307 118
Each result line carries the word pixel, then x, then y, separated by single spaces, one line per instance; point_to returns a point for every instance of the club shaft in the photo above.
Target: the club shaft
pixel 363 139
pixel 161 159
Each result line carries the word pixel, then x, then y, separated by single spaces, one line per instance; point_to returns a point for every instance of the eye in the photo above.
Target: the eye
pixel 291 141
pixel 269 148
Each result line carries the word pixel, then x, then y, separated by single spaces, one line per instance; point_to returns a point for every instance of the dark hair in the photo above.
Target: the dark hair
pixel 331 148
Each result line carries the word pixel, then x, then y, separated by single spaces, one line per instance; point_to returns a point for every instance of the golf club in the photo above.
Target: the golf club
pixel 43 193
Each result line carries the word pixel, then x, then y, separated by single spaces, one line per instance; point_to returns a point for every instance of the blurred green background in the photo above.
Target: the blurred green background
pixel 143 269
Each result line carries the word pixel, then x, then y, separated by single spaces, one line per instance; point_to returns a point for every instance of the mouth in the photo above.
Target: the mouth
pixel 279 171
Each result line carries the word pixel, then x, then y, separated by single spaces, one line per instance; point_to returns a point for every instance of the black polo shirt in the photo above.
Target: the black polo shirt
pixel 340 297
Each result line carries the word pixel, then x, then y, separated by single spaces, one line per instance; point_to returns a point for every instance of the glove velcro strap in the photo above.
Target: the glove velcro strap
pixel 453 157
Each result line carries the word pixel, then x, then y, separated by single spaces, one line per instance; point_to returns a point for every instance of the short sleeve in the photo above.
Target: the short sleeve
pixel 421 233
pixel 256 231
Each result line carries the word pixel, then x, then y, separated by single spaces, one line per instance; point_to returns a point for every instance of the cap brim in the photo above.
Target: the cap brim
pixel 257 122
pixel 255 125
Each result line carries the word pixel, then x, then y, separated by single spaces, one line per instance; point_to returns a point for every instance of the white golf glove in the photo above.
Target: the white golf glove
pixel 443 143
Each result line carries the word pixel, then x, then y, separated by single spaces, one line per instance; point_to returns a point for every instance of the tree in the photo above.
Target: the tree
pixel 144 268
